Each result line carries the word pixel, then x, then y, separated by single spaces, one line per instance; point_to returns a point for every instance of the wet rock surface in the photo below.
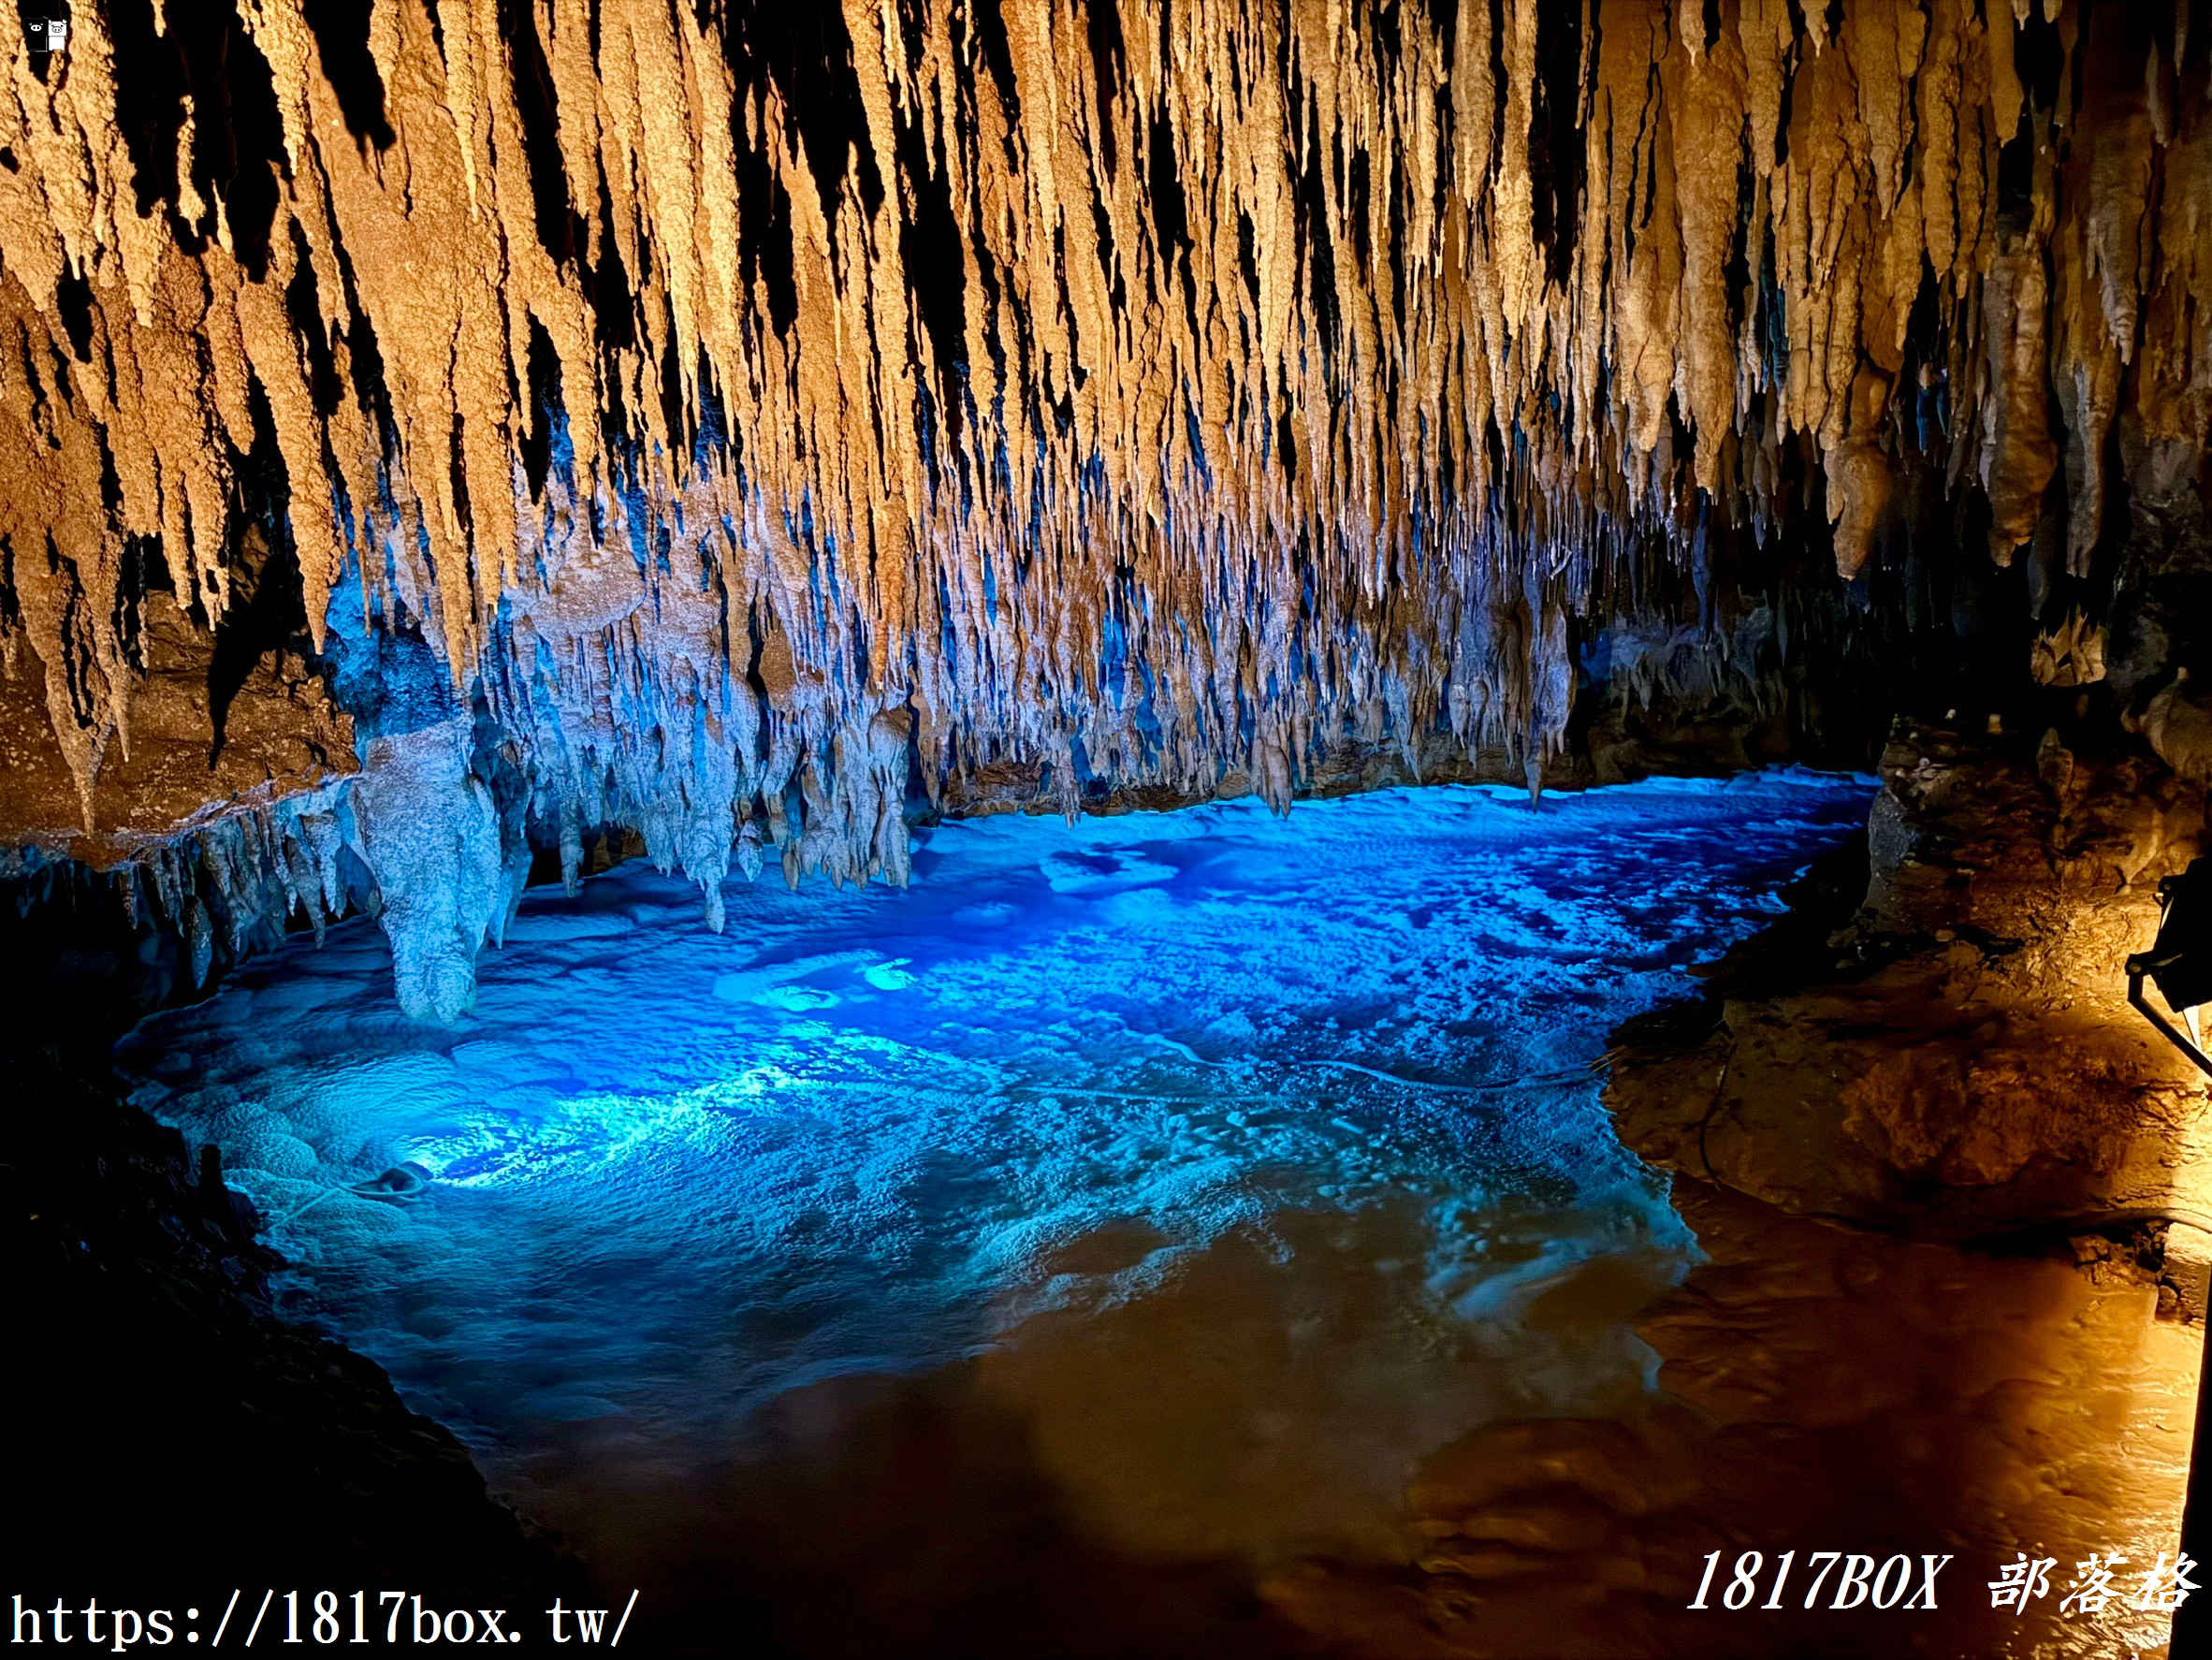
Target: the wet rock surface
pixel 1947 1190
pixel 1825 1389
pixel 1958 1055
pixel 1824 1386
pixel 1946 1182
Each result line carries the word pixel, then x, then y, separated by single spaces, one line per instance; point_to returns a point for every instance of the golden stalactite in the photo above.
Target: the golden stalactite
pixel 1145 390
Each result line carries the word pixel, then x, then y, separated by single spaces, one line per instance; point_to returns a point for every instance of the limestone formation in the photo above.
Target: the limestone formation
pixel 712 417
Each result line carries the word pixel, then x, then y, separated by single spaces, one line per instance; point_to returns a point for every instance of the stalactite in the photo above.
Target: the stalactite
pixel 746 411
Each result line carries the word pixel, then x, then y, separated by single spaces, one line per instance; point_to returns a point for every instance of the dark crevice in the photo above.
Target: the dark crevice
pixel 74 299
pixel 206 57
pixel 267 609
pixel 1555 148
pixel 545 414
pixel 561 230
pixel 1102 19
pixel 342 43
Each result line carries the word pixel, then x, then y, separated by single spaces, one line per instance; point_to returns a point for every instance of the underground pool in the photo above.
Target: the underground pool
pixel 1226 1165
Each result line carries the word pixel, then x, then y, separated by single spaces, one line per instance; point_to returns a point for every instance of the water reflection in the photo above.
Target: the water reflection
pixel 1156 1190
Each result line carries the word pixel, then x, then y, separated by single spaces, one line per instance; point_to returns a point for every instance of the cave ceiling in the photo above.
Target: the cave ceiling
pixel 737 418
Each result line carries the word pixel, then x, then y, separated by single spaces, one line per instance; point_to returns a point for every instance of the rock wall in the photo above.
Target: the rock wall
pixel 184 1427
pixel 1947 1045
pixel 733 419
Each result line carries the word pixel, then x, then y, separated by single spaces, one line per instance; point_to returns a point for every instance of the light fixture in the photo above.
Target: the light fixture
pixel 2179 961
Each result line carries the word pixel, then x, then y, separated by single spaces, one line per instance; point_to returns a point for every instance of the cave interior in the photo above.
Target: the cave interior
pixel 1004 827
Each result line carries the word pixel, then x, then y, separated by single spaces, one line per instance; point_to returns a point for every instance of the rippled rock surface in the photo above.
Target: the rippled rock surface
pixel 1240 1163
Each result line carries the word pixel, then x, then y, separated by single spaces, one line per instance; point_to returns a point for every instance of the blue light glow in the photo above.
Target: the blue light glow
pixel 1294 1115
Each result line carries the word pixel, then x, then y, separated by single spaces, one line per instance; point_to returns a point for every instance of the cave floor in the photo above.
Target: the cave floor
pixel 1825 1389
pixel 1192 1233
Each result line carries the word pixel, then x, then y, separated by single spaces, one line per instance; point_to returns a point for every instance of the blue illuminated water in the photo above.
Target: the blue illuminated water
pixel 1245 1160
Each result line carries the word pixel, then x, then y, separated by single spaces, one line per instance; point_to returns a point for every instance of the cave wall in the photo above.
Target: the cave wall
pixel 1941 1040
pixel 742 425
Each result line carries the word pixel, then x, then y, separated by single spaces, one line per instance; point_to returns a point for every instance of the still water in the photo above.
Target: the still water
pixel 1159 1189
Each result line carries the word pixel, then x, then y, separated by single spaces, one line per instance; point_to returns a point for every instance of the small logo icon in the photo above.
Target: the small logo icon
pixel 47 35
